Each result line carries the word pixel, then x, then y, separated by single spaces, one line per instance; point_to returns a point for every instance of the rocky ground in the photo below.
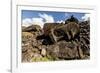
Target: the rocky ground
pixel 37 47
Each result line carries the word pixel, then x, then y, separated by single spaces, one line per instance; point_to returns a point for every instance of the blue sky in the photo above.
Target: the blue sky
pixel 47 16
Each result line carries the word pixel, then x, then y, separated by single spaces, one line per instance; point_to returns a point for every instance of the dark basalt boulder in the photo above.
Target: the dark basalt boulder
pixel 85 37
pixel 65 50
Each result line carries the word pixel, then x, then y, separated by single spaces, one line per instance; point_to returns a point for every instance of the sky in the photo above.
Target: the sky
pixel 30 17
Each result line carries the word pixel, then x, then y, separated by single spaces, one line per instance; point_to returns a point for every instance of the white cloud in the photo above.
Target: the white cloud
pixel 61 21
pixel 26 22
pixel 86 17
pixel 47 18
pixel 38 21
pixel 43 18
pixel 32 21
